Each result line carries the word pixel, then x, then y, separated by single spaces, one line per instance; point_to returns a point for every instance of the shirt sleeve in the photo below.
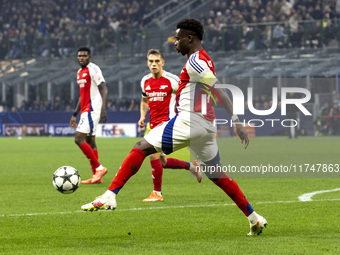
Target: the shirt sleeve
pixel 97 75
pixel 142 87
pixel 174 83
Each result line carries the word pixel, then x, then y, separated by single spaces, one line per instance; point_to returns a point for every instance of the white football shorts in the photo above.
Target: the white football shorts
pixel 88 123
pixel 186 130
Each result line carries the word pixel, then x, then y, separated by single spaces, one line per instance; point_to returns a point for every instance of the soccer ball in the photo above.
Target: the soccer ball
pixel 66 179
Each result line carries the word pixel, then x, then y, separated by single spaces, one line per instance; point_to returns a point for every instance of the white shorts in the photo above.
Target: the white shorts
pixel 186 130
pixel 88 123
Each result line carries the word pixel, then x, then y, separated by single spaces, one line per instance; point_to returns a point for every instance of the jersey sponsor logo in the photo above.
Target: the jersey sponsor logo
pixel 163 86
pixel 156 96
pixel 148 87
pixel 81 82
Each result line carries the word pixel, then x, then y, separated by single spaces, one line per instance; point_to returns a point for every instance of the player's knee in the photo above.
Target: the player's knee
pixel 138 145
pixel 79 140
pixel 163 161
pixel 213 175
pixel 147 148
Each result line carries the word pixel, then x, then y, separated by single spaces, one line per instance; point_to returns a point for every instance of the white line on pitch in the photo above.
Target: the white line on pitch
pixel 163 207
pixel 308 196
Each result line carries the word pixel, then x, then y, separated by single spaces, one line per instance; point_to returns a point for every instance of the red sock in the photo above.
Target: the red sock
pixel 87 150
pixel 96 153
pixel 157 173
pixel 129 167
pixel 93 168
pixel 230 187
pixel 177 164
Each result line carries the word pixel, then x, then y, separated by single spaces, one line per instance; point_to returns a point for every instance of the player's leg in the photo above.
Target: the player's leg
pixel 129 167
pixel 159 138
pixel 207 151
pixel 87 126
pixel 231 188
pixel 157 173
pixel 174 163
pixel 88 152
pixel 91 141
pixel 100 171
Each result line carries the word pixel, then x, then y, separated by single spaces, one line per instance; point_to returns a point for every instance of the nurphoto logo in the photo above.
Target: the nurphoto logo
pixel 239 102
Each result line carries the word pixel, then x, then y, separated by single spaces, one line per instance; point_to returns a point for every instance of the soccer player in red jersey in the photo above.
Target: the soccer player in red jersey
pixel 91 103
pixel 158 95
pixel 191 127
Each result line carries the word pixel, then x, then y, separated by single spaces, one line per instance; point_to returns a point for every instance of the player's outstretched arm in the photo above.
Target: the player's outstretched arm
pixel 104 91
pixel 227 104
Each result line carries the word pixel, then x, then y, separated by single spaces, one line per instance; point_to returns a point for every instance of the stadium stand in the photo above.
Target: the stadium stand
pixel 253 43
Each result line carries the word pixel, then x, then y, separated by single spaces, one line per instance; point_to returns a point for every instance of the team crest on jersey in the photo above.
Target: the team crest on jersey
pixel 84 74
pixel 163 86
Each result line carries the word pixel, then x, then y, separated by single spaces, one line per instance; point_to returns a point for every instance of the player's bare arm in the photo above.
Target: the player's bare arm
pixel 104 91
pixel 74 116
pixel 144 107
pixel 227 104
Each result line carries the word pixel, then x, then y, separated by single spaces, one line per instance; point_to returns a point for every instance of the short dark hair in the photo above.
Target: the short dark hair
pixel 193 25
pixel 156 52
pixel 84 49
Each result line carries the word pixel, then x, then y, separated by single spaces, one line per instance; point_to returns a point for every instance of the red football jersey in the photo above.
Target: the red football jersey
pixel 161 94
pixel 88 79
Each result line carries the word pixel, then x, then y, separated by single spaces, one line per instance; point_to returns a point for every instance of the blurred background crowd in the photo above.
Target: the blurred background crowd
pixel 55 29
pixel 58 27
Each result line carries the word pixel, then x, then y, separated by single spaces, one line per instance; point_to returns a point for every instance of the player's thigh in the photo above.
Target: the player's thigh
pixel 204 148
pixel 203 142
pixel 169 136
pixel 88 123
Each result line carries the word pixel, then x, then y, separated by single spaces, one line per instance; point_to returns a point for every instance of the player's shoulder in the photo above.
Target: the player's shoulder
pixel 94 67
pixel 171 76
pixel 195 63
pixel 146 77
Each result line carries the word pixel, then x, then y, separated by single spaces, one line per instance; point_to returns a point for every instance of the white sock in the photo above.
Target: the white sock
pixel 109 195
pixel 100 167
pixel 159 193
pixel 253 217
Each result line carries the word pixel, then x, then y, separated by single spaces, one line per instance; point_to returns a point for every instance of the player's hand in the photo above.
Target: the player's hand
pixel 141 122
pixel 103 117
pixel 73 122
pixel 242 133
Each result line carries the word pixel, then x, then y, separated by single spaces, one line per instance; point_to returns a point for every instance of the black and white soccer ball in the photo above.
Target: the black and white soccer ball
pixel 66 179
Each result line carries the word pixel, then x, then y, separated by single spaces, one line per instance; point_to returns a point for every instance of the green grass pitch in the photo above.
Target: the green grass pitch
pixel 193 219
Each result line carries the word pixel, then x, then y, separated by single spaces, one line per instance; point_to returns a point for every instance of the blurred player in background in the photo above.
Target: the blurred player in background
pixel 158 95
pixel 91 103
pixel 192 127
